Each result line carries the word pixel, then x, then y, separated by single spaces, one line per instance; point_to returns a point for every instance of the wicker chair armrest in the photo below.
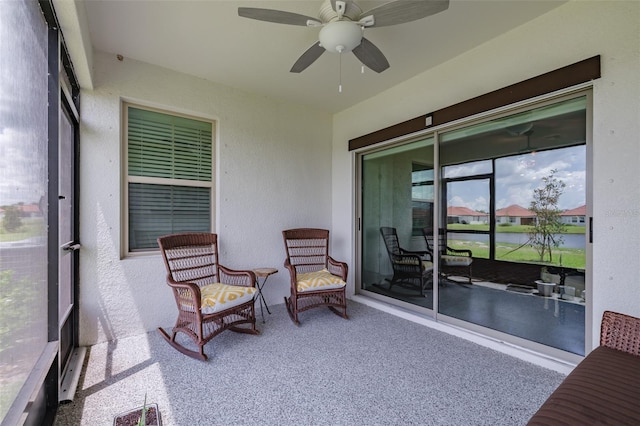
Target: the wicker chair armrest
pixel 338 268
pixel 237 277
pixel 621 332
pixel 192 290
pixel 293 274
pixel 459 252
pixel 417 253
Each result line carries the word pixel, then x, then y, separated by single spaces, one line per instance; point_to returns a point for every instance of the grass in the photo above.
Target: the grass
pixel 523 229
pixel 571 258
pixel 31 227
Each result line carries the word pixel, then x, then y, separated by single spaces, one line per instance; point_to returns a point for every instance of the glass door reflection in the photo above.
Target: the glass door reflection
pixel 397 200
pixel 513 190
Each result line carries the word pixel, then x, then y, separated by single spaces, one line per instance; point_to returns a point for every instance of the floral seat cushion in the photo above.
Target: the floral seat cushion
pixel 456 260
pixel 318 280
pixel 218 297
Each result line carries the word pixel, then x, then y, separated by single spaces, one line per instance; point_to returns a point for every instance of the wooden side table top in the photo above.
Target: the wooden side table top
pixel 264 272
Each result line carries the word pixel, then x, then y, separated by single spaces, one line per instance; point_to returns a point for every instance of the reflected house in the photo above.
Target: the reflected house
pixel 465 215
pixel 515 215
pixel 574 216
pixel 26 210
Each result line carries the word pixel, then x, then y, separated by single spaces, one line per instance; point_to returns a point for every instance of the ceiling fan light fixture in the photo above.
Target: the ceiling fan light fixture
pixel 340 36
pixel 343 27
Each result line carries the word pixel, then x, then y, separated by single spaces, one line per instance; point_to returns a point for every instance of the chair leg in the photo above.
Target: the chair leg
pixel 252 321
pixel 424 282
pixel 172 341
pixel 293 314
pixel 251 330
pixel 392 281
pixel 342 314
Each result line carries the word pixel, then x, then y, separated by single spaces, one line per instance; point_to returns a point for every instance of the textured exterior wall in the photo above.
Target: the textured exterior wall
pixel 273 171
pixel 575 31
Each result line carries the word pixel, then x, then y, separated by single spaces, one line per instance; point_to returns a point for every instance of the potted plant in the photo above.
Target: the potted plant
pixel 147 415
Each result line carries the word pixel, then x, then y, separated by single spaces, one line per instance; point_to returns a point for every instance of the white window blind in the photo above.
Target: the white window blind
pixel 169 176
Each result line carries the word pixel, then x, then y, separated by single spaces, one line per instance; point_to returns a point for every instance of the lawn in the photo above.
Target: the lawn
pixel 568 229
pixel 31 227
pixel 571 258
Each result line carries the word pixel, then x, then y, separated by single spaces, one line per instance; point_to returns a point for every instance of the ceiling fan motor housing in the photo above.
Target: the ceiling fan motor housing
pixel 340 36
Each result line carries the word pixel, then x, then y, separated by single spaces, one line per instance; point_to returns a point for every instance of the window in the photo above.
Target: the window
pixel 421 197
pixel 169 180
pixel 30 209
pixel 23 196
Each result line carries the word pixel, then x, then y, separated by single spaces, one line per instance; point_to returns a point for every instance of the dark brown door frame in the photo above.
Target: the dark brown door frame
pixel 562 78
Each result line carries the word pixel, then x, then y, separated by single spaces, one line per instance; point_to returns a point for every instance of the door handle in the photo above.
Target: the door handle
pixel 70 246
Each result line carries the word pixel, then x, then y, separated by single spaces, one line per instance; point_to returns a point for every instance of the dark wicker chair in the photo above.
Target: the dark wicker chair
pixel 210 298
pixel 604 388
pixel 621 332
pixel 411 269
pixel 452 261
pixel 316 278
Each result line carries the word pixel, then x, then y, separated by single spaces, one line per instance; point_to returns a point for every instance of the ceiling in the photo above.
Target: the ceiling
pixel 208 39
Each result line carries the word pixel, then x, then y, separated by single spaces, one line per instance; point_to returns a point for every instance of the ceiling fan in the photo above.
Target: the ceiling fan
pixel 343 24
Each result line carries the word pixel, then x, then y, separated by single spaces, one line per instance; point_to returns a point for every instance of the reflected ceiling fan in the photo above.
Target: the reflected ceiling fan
pixel 343 24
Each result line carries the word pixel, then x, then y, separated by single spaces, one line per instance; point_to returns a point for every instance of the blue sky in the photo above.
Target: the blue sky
pixel 518 176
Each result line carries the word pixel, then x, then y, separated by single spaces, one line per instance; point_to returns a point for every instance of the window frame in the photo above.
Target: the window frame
pixel 126 179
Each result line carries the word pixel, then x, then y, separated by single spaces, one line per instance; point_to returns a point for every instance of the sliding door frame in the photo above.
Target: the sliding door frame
pixel 583 89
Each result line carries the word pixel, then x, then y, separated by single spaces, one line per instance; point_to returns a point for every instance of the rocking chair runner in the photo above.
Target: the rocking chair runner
pixel 410 268
pixel 210 298
pixel 316 278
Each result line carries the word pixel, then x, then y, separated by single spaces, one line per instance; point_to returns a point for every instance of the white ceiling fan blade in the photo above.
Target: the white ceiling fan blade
pixel 401 11
pixel 371 56
pixel 277 16
pixel 307 58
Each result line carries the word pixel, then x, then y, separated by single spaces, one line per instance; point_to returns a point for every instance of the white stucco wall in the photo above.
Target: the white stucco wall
pixel 575 31
pixel 282 165
pixel 273 165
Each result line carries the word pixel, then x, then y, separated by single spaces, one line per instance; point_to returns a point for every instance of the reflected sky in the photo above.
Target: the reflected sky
pixel 519 175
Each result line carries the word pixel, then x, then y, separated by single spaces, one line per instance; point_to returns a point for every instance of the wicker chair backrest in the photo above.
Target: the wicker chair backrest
pixel 307 248
pixel 429 238
pixel 191 257
pixel 390 237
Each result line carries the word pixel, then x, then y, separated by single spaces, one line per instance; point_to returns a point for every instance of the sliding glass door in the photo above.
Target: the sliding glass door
pixel 500 216
pixel 398 195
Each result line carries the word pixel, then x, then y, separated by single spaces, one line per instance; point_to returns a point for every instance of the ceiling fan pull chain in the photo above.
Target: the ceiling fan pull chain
pixel 340 73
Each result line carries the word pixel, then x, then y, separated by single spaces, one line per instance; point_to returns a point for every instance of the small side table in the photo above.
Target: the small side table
pixel 263 273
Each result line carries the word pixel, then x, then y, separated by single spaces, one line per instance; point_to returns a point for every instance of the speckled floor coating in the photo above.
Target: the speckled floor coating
pixel 373 369
pixel 552 322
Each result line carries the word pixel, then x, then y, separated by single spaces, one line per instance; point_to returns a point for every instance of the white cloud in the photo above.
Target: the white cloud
pixel 518 176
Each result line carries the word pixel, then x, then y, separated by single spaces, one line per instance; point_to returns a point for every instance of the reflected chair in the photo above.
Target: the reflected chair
pixel 452 261
pixel 210 298
pixel 410 268
pixel 316 278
